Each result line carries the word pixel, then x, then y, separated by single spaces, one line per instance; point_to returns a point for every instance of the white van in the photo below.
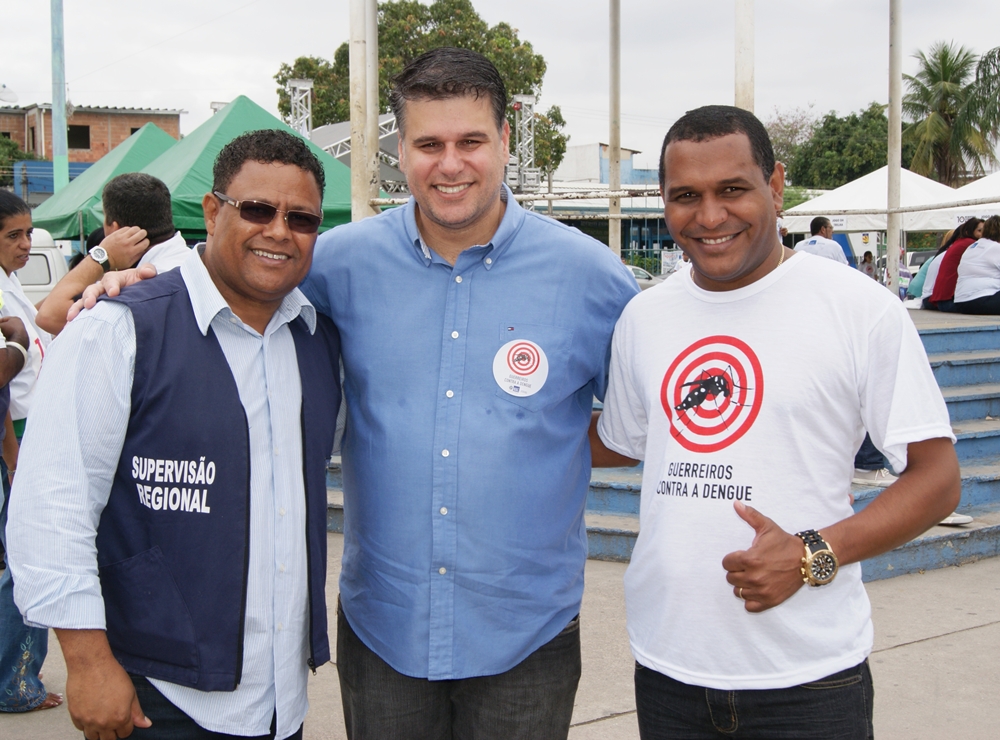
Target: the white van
pixel 46 267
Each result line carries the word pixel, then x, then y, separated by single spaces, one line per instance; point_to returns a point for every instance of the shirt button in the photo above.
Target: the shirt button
pixel 280 626
pixel 445 453
pixel 489 261
pixel 281 568
pixel 442 571
pixel 458 278
pixel 281 512
pixel 444 510
pixel 454 335
pixel 450 394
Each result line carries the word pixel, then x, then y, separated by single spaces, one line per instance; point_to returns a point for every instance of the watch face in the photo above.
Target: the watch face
pixel 823 567
pixel 99 254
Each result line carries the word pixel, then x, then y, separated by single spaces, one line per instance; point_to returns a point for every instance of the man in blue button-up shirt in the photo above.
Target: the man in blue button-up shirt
pixel 475 335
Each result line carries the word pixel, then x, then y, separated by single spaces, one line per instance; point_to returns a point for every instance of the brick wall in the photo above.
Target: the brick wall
pixel 107 130
pixel 13 123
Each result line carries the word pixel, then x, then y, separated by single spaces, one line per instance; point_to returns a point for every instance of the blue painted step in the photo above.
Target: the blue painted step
pixel 972 401
pixel 960 338
pixel 966 368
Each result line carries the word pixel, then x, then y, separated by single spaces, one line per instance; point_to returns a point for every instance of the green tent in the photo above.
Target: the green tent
pixel 61 214
pixel 187 167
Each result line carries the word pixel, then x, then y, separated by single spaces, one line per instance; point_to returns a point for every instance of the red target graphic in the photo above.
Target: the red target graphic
pixel 712 393
pixel 523 359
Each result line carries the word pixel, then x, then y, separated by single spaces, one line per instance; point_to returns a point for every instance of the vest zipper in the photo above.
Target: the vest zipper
pixel 246 563
pixel 309 564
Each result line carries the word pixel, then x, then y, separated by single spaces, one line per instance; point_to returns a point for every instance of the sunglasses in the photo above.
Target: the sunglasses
pixel 263 213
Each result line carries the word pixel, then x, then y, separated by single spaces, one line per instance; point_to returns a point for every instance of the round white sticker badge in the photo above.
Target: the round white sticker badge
pixel 521 368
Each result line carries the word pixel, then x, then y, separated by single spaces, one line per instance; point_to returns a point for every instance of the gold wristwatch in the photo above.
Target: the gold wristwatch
pixel 819 565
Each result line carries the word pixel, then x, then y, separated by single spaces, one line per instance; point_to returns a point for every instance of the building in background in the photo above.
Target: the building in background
pixel 589 163
pixel 93 132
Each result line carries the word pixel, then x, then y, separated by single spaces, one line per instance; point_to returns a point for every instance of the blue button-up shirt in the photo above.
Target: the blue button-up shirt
pixel 464 538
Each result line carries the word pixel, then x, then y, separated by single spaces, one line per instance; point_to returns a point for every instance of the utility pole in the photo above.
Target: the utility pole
pixel 358 55
pixel 894 221
pixel 744 54
pixel 60 150
pixel 615 138
pixel 371 85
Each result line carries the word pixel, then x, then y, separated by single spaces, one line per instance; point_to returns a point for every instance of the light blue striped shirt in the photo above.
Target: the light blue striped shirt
pixel 68 460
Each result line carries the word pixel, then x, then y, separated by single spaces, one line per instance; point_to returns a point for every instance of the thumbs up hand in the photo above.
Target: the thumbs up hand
pixel 768 573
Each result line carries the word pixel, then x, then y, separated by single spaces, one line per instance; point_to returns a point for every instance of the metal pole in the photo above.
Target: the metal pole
pixel 360 172
pixel 615 139
pixel 371 84
pixel 744 54
pixel 60 156
pixel 894 221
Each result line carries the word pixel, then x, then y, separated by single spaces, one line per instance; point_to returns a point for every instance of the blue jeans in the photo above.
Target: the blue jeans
pixel 170 723
pixel 868 457
pixel 531 701
pixel 22 649
pixel 838 707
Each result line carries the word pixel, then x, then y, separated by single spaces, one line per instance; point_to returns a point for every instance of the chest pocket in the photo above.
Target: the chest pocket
pixel 524 353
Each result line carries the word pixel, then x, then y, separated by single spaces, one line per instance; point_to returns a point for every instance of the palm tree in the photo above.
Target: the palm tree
pixel 988 84
pixel 952 136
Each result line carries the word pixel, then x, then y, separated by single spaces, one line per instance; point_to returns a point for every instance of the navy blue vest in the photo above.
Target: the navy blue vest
pixel 173 540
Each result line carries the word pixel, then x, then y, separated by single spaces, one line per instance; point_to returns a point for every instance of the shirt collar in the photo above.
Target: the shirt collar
pixel 510 224
pixel 207 302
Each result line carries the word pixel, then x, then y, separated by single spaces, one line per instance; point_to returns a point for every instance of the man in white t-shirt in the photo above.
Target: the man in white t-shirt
pixel 139 230
pixel 748 414
pixel 821 242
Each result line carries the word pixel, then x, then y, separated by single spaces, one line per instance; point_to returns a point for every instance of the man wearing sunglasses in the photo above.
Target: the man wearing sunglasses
pixel 176 456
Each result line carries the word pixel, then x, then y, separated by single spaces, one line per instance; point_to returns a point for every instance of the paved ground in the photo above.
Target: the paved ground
pixel 936 661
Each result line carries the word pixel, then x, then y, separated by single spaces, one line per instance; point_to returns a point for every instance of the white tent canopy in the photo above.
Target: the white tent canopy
pixel 869 193
pixel 984 187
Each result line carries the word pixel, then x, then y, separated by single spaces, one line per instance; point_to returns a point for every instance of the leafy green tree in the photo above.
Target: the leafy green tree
pixel 844 149
pixel 951 125
pixel 407 29
pixel 10 153
pixel 550 141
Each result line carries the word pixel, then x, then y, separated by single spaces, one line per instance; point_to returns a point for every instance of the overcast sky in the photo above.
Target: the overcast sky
pixel 675 56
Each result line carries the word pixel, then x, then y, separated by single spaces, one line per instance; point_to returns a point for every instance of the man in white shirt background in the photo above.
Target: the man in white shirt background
pixel 821 242
pixel 139 230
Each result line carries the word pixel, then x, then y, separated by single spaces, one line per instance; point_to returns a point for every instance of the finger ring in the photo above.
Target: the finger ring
pixel 740 594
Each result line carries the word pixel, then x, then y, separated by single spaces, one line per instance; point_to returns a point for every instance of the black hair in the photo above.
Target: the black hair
pixel 448 72
pixel 713 121
pixel 818 224
pixel 991 228
pixel 138 199
pixel 96 237
pixel 265 146
pixel 11 205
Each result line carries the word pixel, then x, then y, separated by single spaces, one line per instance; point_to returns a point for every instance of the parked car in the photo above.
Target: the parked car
pixel 645 279
pixel 46 267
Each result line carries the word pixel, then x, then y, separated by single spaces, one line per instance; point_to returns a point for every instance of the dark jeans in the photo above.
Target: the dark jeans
pixel 988 305
pixel 838 707
pixel 170 723
pixel 868 457
pixel 22 648
pixel 531 701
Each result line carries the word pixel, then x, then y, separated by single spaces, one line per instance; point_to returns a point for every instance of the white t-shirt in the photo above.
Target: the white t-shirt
pixel 822 247
pixel 978 271
pixel 16 303
pixel 167 255
pixel 776 383
pixel 931 277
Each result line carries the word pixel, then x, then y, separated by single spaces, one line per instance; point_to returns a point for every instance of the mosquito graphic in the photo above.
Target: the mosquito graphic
pixel 708 386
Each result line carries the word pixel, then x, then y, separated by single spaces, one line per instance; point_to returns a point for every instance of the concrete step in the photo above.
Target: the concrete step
pixel 966 368
pixel 961 338
pixel 980 488
pixel 979 401
pixel 977 438
pixel 612 537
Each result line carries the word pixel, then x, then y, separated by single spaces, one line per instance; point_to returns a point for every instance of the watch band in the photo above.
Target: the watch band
pixel 818 555
pixel 813 540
